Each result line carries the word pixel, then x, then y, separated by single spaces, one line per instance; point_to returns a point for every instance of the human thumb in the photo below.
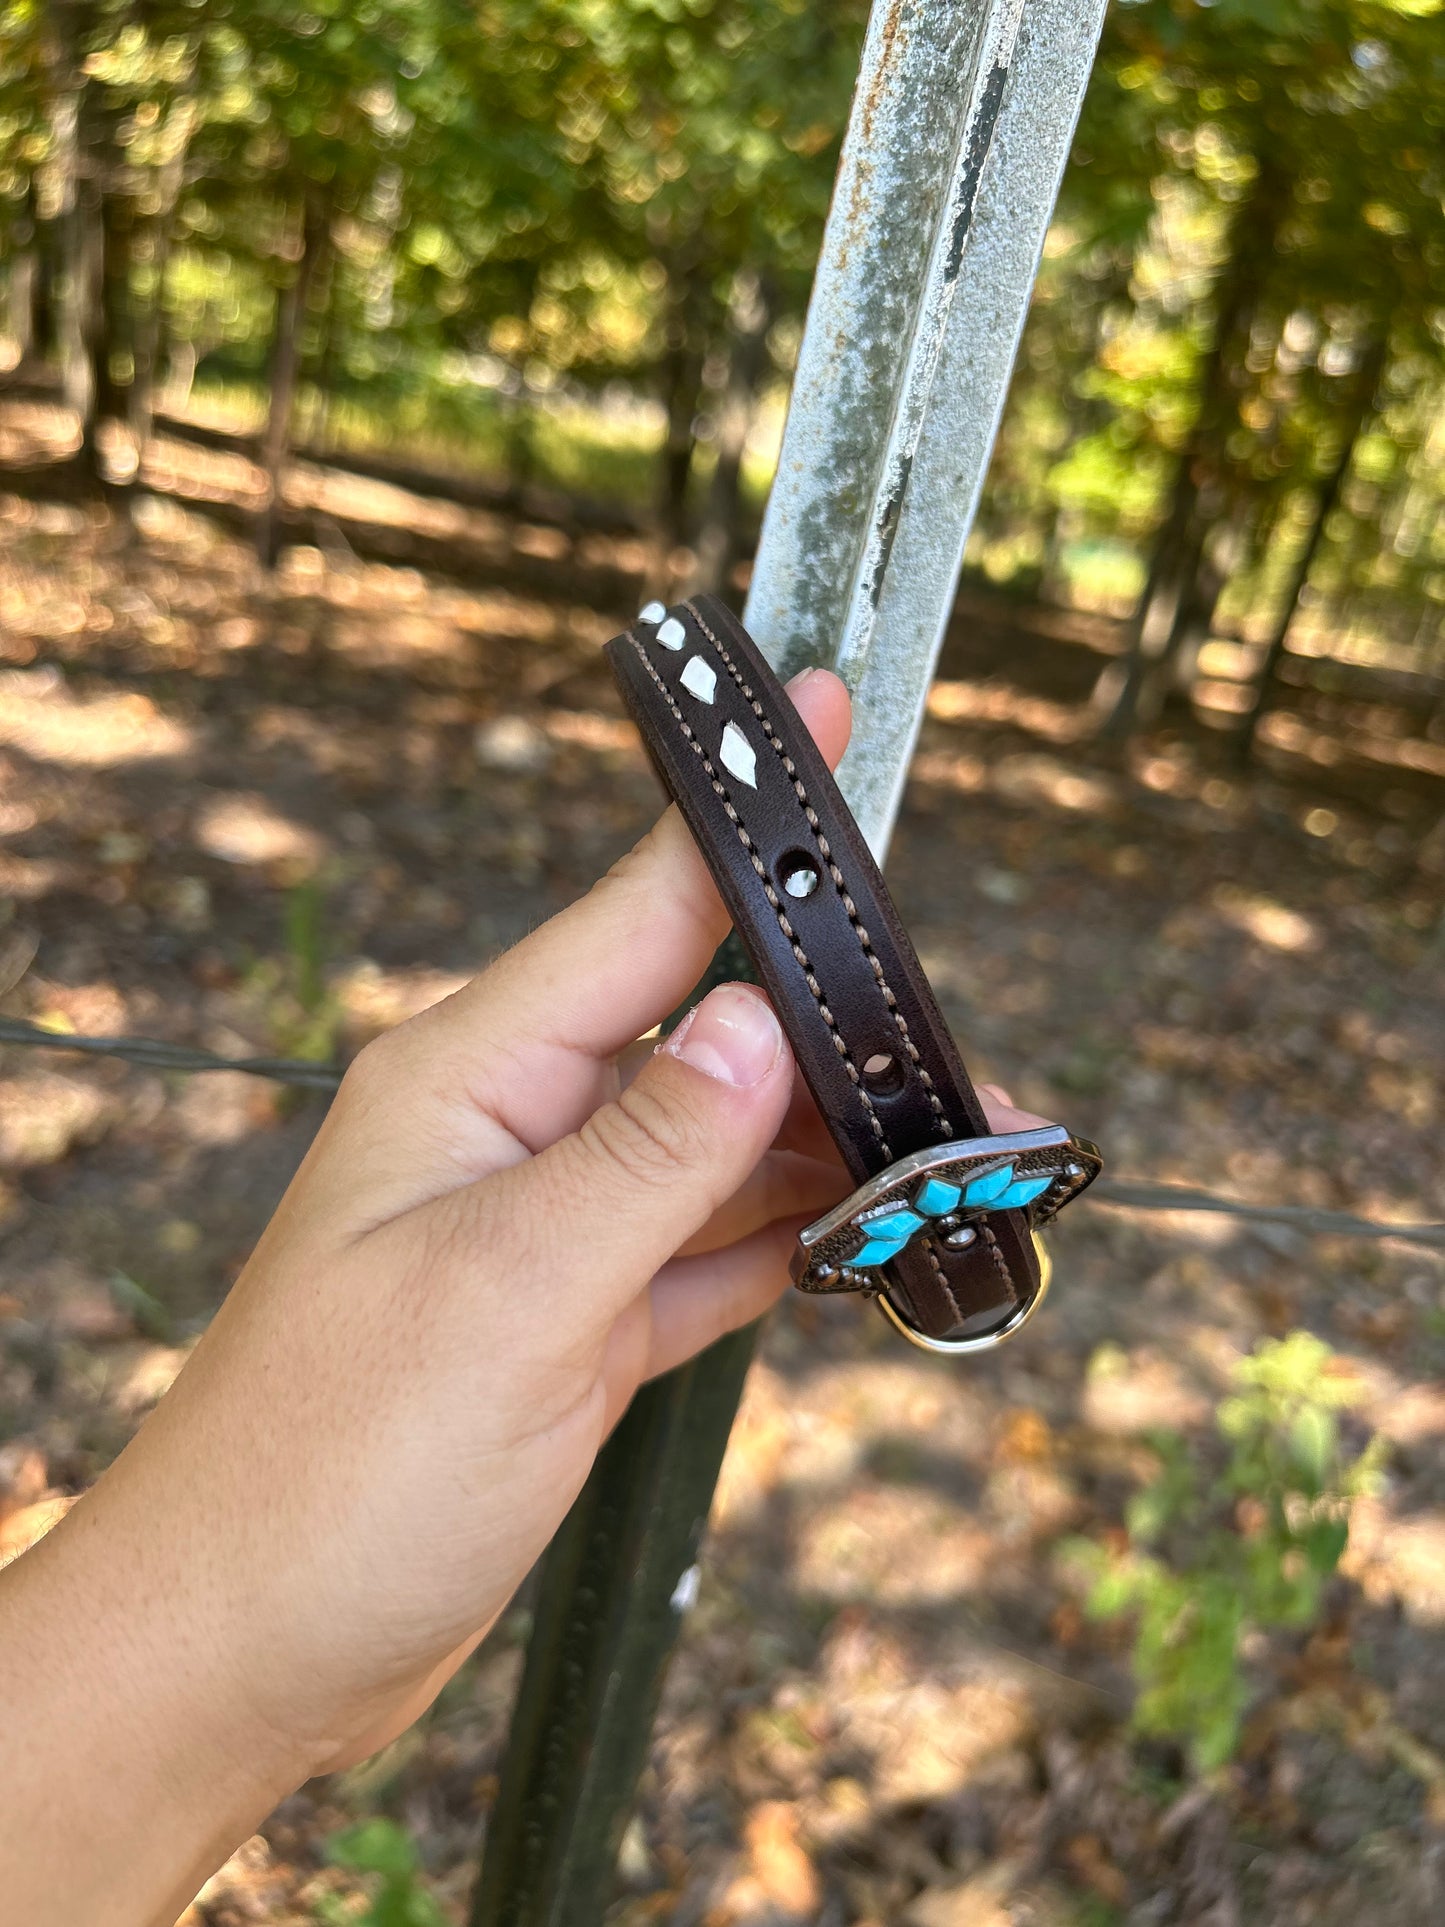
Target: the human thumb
pixel 602 1210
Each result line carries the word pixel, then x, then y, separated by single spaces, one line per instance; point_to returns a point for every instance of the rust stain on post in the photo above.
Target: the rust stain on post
pixel 893 41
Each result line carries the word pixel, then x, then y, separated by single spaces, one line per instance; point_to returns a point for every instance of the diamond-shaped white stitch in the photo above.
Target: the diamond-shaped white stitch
pixel 701 678
pixel 672 635
pixel 738 755
pixel 652 612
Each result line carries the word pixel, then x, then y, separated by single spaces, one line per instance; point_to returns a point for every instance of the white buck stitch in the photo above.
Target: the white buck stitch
pixel 737 754
pixel 700 678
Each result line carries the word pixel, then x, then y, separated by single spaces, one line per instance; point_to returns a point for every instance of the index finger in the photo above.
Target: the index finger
pixel 523 1054
pixel 619 959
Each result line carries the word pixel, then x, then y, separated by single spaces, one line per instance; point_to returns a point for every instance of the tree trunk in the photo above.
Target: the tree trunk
pixel 319 414
pixel 85 271
pixel 1194 621
pixel 44 323
pixel 20 303
pixel 149 344
pixel 514 410
pixel 682 365
pixel 1121 684
pixel 79 277
pixel 64 80
pixel 1202 463
pixel 113 338
pixel 97 224
pixel 1360 409
pixel 719 538
pixel 285 368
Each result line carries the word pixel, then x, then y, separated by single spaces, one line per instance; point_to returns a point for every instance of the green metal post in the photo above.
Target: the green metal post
pixel 615 1584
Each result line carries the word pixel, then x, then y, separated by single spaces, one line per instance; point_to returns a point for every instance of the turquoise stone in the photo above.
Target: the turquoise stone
pixel 1022 1191
pixel 878 1251
pixel 898 1225
pixel 985 1190
pixel 937 1198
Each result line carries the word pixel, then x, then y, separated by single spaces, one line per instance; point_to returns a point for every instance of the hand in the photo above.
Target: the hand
pixel 496 1236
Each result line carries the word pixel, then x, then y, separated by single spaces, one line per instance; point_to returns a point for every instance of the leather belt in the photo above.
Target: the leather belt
pixel 940 1228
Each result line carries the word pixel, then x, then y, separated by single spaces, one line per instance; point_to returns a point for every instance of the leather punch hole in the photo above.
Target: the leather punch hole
pixel 940 1226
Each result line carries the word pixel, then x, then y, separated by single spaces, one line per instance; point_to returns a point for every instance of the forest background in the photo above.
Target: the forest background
pixel 571 241
pixel 362 368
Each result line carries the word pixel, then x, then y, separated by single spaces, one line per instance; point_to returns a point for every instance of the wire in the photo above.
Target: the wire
pixel 1127 1193
pixel 1136 1196
pixel 172 1057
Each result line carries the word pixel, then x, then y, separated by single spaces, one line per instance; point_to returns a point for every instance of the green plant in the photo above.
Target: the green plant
pixel 382 1848
pixel 304 1014
pixel 1214 1557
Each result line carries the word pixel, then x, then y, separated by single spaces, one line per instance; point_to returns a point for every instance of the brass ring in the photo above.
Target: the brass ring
pixel 985 1341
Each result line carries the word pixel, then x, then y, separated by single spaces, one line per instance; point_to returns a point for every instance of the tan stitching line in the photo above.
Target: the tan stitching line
pixel 1000 1262
pixel 839 1042
pixel 942 1277
pixel 945 1129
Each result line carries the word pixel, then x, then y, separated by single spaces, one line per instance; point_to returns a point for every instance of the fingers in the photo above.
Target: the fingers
pixel 695 1301
pixel 604 971
pixel 784 1185
pixel 1003 1117
pixel 522 1056
pixel 595 1216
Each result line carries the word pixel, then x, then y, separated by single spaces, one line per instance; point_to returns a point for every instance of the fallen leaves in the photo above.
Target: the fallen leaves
pixel 780 1873
pixel 44 1115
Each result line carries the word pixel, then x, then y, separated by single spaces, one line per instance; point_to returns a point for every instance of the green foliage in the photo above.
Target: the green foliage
pixel 521 204
pixel 306 1015
pixel 400 1899
pixel 149 1316
pixel 1215 1556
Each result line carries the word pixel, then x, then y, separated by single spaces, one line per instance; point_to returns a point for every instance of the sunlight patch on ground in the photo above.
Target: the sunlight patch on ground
pixel 1398 1560
pixel 197 474
pixel 1268 922
pixel 865 1544
pixel 1284 730
pixel 1044 779
pixel 43 1116
pixel 774 1432
pixel 243 828
pixel 589 730
pixel 941 769
pixel 1125 1396
pixel 43 719
pixel 1024 779
pixel 997 702
pixel 375 999
pixel 928 1740
pixel 27 879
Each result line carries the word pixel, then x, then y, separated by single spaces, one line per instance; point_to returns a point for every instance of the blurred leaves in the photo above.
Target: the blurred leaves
pixel 1210 1559
pixel 521 201
pixel 400 1899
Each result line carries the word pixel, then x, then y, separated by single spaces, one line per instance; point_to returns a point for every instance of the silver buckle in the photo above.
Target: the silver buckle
pixel 944 1192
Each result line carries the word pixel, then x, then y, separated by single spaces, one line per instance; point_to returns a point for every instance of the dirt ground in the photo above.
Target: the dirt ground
pixel 277 814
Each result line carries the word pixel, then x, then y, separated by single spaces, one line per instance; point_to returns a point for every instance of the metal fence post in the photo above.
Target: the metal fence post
pixel 958 135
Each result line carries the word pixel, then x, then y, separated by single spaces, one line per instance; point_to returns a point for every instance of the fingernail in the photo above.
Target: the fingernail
pixel 803 675
pixel 732 1036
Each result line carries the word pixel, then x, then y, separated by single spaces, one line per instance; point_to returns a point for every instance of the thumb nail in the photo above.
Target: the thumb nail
pixel 732 1036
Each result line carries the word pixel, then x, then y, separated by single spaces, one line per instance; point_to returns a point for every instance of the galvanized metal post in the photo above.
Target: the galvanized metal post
pixel 960 128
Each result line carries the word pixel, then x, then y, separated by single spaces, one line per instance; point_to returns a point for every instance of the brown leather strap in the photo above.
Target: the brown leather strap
pixel 815 916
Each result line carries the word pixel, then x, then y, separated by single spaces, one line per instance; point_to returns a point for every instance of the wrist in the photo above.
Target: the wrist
pixel 117 1679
